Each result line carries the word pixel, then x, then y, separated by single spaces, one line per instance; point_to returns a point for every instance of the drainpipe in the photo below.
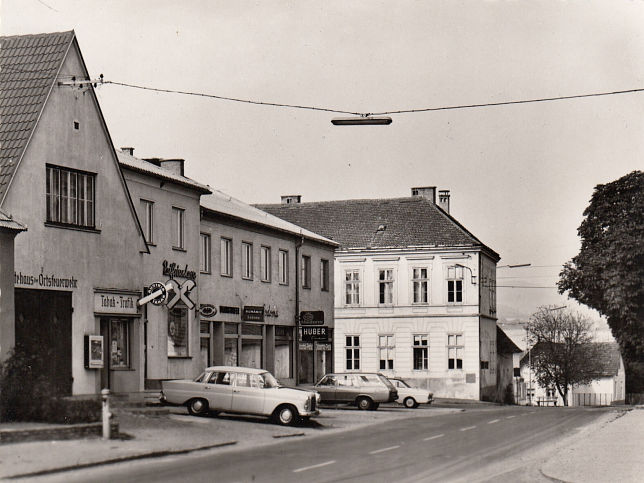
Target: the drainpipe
pixel 298 245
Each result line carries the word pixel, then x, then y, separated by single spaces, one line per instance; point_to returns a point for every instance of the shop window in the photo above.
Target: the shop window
pixel 420 284
pixel 247 260
pixel 204 258
pixel 147 220
pixel 306 271
pixel 386 286
pixel 352 287
pixel 226 257
pixel 230 351
pixel 178 229
pixel 119 345
pixel 352 351
pixel 251 354
pixel 70 196
pixel 421 352
pixel 386 347
pixel 283 352
pixel 324 275
pixel 178 331
pixel 283 267
pixel 265 264
pixel 455 351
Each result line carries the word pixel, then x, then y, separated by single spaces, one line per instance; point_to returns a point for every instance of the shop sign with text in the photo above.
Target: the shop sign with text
pixel 311 333
pixel 251 313
pixel 46 280
pixel 174 270
pixel 115 303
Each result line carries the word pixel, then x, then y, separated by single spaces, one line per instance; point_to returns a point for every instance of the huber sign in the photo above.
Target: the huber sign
pixel 311 333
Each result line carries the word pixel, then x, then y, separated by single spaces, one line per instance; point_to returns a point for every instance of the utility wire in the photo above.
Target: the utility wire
pixel 367 114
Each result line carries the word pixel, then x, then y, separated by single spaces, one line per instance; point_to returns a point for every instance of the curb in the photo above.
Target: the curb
pixel 122 459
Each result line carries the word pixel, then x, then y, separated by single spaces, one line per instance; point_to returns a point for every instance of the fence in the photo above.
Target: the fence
pixel 591 399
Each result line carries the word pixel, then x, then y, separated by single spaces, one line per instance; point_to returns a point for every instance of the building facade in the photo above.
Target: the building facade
pixel 76 268
pixel 259 273
pixel 415 291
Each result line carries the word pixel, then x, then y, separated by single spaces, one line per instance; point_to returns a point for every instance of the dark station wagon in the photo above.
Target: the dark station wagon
pixel 364 390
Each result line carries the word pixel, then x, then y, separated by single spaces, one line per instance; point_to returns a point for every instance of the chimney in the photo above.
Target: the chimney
pixel 129 151
pixel 428 192
pixel 291 199
pixel 443 200
pixel 173 165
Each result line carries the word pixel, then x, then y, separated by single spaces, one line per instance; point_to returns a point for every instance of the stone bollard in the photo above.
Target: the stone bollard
pixel 107 415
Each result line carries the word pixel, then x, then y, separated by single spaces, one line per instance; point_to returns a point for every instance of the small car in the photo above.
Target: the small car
pixel 364 390
pixel 410 396
pixel 241 390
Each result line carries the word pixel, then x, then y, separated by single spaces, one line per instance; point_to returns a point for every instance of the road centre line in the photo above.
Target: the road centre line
pixel 509 417
pixel 382 450
pixel 305 468
pixel 434 437
pixel 467 428
pixel 493 421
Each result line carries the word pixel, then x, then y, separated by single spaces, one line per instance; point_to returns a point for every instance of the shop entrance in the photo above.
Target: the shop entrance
pixel 44 328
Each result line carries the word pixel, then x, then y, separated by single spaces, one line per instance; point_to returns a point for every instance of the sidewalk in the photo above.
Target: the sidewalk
pixel 152 435
pixel 614 451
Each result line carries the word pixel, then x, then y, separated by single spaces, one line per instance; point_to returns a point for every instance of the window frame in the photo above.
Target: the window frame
pixel 383 284
pixel 183 307
pixel 389 350
pixel 423 347
pixel 246 260
pixel 226 256
pixel 265 265
pixel 352 287
pixel 148 220
pixel 125 323
pixel 352 352
pixel 179 242
pixel 282 267
pixel 306 272
pixel 325 274
pixel 456 347
pixel 205 253
pixel 75 203
pixel 420 282
pixel 455 278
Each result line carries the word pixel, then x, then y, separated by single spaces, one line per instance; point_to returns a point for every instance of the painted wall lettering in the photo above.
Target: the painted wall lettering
pixel 42 280
pixel 173 270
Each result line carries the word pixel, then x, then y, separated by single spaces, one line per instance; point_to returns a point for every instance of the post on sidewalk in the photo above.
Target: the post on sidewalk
pixel 107 415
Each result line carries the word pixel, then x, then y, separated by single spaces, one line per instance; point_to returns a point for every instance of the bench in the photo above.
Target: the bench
pixel 546 401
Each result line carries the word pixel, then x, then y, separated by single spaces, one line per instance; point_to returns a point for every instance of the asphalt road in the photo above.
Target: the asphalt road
pixel 477 444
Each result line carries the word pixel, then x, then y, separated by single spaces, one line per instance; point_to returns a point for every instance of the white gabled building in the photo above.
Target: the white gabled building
pixel 415 291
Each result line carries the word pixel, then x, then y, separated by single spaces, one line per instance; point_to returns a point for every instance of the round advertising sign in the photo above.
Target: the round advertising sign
pixel 155 287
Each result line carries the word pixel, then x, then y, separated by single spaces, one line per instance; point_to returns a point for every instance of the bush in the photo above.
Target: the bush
pixel 27 394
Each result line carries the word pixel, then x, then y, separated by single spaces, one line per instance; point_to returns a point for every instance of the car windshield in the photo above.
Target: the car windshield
pixel 386 381
pixel 201 377
pixel 269 380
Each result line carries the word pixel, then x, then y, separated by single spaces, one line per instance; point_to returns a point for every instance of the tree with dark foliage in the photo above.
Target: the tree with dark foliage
pixel 608 272
pixel 562 352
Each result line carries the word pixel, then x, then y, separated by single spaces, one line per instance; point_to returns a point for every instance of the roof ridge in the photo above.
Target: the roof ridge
pixel 42 34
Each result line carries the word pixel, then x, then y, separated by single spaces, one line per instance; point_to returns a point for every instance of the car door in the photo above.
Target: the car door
pixel 247 397
pixel 346 389
pixel 327 388
pixel 219 391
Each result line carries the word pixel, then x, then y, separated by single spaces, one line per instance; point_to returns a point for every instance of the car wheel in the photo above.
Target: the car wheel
pixel 410 402
pixel 198 407
pixel 287 415
pixel 374 406
pixel 364 403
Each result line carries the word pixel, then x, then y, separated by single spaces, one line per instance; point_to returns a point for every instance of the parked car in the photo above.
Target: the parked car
pixel 410 396
pixel 241 390
pixel 365 390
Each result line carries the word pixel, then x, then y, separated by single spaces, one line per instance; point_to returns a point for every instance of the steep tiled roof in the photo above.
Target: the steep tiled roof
pixel 28 68
pixel 378 223
pixel 222 203
pixel 608 357
pixel 8 223
pixel 504 344
pixel 128 161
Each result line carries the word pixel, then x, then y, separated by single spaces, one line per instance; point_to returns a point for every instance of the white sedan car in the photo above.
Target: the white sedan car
pixel 411 397
pixel 241 390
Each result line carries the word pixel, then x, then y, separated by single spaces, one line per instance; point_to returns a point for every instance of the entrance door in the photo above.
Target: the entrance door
pixel 44 327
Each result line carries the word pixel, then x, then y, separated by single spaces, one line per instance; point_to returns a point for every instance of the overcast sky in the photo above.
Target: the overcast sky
pixel 520 176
